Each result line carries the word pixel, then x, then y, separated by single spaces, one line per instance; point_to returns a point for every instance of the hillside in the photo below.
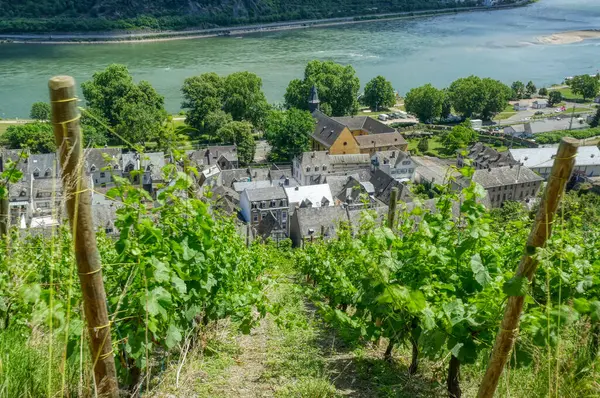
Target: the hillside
pixel 98 15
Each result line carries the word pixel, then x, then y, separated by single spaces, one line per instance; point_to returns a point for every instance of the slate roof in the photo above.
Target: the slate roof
pixel 502 176
pixel 44 162
pixel 486 156
pixel 366 123
pixel 129 158
pixel 15 189
pixel 380 140
pixel 47 186
pixel 313 218
pixel 13 155
pixel 327 130
pixel 260 194
pixel 250 185
pixel 226 192
pixel 361 158
pixel 95 157
pixel 383 184
pixel 234 175
pixel 259 173
pixel 105 215
pixel 153 162
pixel 314 158
pixel 356 216
pixel 213 153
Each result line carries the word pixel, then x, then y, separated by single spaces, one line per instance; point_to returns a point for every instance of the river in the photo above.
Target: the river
pixel 500 44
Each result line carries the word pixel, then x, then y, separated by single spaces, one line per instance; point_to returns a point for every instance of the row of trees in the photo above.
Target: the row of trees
pixel 471 97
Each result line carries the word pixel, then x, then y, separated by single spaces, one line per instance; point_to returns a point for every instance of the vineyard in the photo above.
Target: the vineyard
pixel 416 302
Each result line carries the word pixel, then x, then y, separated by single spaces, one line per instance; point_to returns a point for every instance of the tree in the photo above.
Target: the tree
pixel 37 137
pixel 379 93
pixel 585 85
pixel 40 111
pixel 531 88
pixel 596 120
pixel 214 120
pixel 518 90
pixel 244 99
pixel 135 111
pixel 423 145
pixel 239 94
pixel 337 85
pixel 543 91
pixel 288 133
pixel 446 105
pixel 240 134
pixel 201 95
pixel 459 137
pixel 554 98
pixel 475 96
pixel 425 102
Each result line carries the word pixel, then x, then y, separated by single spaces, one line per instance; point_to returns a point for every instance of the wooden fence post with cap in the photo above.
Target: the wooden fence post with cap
pixel 540 232
pixel 67 132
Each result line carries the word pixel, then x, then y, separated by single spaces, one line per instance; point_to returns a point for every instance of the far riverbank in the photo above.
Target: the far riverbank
pixel 106 38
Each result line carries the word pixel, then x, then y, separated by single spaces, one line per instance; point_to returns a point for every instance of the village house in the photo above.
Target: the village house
pixel 351 134
pixel 309 196
pixel 397 164
pixel 521 106
pixel 311 167
pixel 102 163
pixel 308 224
pixel 540 104
pixel 541 160
pixel 515 183
pixel 266 209
pixel 484 157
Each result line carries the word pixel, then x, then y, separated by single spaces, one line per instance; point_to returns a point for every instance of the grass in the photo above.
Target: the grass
pixel 436 148
pixel 568 95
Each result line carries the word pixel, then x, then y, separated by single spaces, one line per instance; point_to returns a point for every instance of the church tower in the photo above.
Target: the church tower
pixel 313 99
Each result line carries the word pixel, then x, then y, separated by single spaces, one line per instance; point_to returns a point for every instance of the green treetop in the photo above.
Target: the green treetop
pixel 426 102
pixel 288 133
pixel 379 93
pixel 337 86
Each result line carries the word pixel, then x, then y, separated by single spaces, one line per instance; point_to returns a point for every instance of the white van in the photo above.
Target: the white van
pixel 383 117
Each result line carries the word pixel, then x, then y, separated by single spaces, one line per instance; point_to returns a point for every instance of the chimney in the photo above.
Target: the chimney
pixel 297 188
pixel 287 181
pixel 312 154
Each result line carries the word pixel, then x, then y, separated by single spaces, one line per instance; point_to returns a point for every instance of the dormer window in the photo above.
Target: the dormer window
pixel 36 172
pixel 129 168
pixel 93 169
pixel 272 203
pixel 116 167
pixel 47 173
pixel 22 193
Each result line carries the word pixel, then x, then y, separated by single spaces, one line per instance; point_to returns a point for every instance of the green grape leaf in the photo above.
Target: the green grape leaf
pixel 595 310
pixel 179 284
pixel 161 272
pixel 417 301
pixel 516 286
pixel 482 276
pixel 581 305
pixel 173 336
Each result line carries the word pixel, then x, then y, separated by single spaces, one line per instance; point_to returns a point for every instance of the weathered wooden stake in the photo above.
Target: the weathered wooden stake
pixel 4 214
pixel 392 208
pixel 541 231
pixel 65 119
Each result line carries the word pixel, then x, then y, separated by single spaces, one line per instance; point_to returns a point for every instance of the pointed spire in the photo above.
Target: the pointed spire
pixel 313 100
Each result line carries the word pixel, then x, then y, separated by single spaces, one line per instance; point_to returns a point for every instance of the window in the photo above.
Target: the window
pixel 284 216
pixel 403 171
pixel 108 230
pixel 281 203
pixel 406 162
pixel 255 218
pixel 503 197
pixel 498 198
pixel 254 205
pixel 102 175
pixel 308 169
pixel 36 173
pixel 92 169
pixel 129 168
pixel 116 167
pixel 47 173
pixel 22 193
pixel 272 203
pixel 316 168
pixel 324 168
pixel 345 143
pixel 411 170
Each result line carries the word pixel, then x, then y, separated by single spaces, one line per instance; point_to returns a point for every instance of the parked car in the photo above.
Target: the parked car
pixel 383 117
pixel 539 113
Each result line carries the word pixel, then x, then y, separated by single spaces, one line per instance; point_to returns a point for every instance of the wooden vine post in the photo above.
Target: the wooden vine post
pixel 4 223
pixel 67 132
pixel 540 232
pixel 392 208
